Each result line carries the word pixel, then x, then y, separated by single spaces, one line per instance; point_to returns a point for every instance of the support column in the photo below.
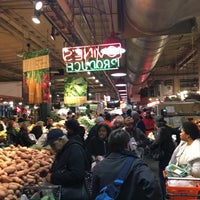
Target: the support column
pixel 176 85
pixel 161 88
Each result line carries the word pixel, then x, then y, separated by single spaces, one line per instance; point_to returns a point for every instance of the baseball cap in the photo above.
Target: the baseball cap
pixel 53 135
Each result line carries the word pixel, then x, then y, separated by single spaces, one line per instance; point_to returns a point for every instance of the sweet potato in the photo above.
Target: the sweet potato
pixel 2 172
pixel 2 194
pixel 26 156
pixel 17 180
pixel 22 173
pixel 10 169
pixel 10 191
pixel 13 186
pixel 44 163
pixel 5 179
pixel 8 162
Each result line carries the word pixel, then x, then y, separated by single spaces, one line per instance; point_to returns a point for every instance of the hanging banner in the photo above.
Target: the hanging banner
pixel 36 79
pixel 75 91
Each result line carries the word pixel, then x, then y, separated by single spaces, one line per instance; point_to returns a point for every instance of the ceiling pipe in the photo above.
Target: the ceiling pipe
pixel 153 19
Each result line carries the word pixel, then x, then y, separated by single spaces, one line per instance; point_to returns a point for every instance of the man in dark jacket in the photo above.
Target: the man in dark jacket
pixel 140 183
pixel 163 143
pixel 68 169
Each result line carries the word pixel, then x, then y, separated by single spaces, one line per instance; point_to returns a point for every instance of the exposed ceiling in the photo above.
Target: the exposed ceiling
pixel 161 38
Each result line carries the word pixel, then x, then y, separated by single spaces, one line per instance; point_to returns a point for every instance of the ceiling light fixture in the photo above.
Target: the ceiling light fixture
pixel 114 44
pixel 118 73
pixel 121 83
pixel 36 17
pixel 38 5
pixel 53 33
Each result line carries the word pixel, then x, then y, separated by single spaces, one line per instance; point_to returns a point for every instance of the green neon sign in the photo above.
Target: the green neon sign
pixel 92 65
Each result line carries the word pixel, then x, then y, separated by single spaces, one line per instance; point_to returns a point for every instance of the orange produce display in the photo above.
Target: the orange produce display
pixel 21 166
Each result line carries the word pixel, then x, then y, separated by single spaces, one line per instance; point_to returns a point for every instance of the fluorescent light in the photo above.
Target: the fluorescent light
pixel 118 74
pixel 120 85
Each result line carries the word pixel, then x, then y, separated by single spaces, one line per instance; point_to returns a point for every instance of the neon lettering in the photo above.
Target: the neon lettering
pixel 91 58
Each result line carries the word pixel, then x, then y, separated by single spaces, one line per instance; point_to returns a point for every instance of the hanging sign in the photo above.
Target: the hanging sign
pixel 92 58
pixel 75 91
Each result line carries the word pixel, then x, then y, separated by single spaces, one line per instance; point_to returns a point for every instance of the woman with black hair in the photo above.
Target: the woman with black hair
pixel 187 153
pixel 75 130
pixel 98 145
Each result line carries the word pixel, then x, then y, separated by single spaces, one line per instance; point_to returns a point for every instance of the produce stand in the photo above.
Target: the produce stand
pixel 48 192
pixel 182 188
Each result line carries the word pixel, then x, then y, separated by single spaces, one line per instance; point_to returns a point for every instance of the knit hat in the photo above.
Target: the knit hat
pixel 53 135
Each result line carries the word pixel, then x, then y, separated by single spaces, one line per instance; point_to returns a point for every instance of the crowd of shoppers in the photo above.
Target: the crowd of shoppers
pixel 107 144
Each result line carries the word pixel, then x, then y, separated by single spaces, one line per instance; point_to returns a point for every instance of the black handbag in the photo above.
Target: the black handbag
pixel 79 192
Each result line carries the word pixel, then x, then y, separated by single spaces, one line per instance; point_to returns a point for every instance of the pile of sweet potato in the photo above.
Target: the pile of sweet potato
pixel 21 166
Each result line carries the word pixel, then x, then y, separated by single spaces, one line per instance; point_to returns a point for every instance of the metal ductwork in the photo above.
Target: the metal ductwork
pixel 147 27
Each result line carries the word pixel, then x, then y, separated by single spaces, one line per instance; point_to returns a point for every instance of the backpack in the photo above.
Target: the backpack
pixel 111 191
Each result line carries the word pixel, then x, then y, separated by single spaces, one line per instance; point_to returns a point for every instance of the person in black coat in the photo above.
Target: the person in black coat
pixel 75 130
pixel 12 134
pixel 140 183
pixel 98 145
pixel 93 130
pixel 24 139
pixel 37 130
pixel 163 141
pixel 68 169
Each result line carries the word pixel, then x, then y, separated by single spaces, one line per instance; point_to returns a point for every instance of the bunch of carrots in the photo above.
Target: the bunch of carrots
pixel 34 81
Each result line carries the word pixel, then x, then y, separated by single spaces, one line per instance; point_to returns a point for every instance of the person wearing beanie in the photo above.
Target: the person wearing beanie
pixel 70 164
